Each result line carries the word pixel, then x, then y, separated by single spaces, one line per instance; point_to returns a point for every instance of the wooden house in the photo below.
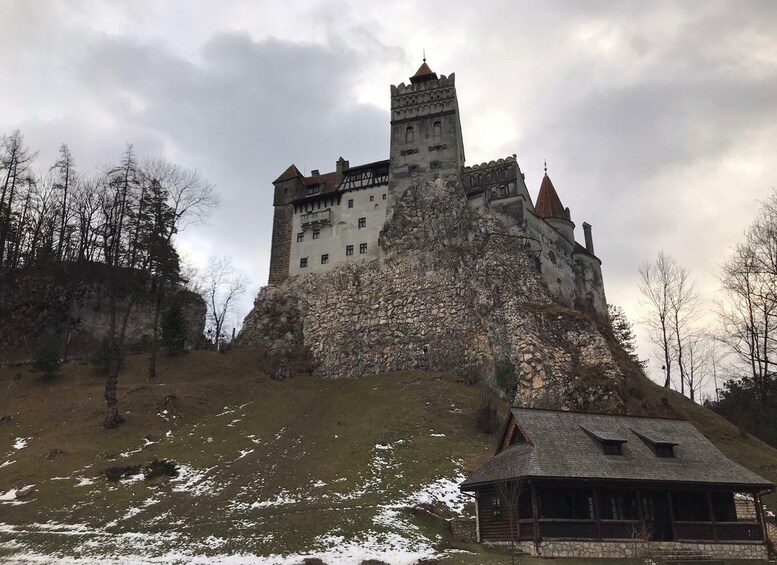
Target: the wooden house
pixel 600 485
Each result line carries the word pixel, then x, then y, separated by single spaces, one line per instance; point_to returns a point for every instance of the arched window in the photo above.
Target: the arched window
pixel 409 135
pixel 437 130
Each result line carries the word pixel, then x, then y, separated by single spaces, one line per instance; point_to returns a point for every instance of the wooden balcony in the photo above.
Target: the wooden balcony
pixel 317 218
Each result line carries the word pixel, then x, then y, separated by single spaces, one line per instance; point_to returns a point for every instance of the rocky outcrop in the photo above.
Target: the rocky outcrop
pixel 453 290
pixel 69 303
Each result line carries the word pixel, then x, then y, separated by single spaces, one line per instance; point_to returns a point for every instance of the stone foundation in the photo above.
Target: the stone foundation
pixel 636 549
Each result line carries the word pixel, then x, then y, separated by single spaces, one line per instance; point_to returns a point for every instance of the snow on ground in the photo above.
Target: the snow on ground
pixel 193 481
pixel 21 443
pixel 6 463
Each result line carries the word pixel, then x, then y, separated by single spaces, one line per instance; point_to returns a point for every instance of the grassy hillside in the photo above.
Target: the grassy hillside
pixel 271 472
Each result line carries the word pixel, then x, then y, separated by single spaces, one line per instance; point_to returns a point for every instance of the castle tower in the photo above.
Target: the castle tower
pixel 425 131
pixel 549 207
pixel 287 187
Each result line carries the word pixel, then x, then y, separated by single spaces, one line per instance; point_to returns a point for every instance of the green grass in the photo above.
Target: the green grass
pixel 346 455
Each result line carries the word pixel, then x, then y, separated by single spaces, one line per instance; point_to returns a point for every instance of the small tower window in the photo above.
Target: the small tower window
pixel 372 197
pixel 316 233
pixel 434 165
pixel 349 249
pixel 303 262
pixel 325 258
pixel 362 248
pixel 409 135
pixel 350 203
pixel 300 237
pixel 437 130
pixel 362 223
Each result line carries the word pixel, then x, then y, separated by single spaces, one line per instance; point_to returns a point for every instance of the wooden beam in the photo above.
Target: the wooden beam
pixel 712 514
pixel 536 515
pixel 671 515
pixel 759 515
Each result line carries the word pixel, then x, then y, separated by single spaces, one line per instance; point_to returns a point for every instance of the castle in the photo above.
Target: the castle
pixel 324 220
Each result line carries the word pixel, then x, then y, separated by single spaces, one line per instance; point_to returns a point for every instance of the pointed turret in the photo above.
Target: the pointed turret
pixel 550 208
pixel 423 74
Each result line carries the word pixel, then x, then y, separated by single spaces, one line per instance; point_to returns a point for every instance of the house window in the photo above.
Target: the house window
pixel 350 203
pixel 612 448
pixel 314 189
pixel 434 165
pixel 496 507
pixel 362 248
pixel 436 130
pixel 349 249
pixel 664 450
pixel 300 237
pixel 362 223
pixel 316 233
pixel 409 135
pixel 303 262
pixel 618 505
pixel 325 258
pixel 372 198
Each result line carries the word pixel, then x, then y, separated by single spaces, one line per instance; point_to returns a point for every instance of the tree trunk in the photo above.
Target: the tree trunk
pixel 112 416
pixel 155 334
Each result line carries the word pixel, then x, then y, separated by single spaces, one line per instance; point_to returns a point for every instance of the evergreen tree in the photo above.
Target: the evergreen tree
pixel 173 329
pixel 624 334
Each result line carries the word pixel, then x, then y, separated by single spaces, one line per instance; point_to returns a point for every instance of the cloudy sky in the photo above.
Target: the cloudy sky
pixel 657 118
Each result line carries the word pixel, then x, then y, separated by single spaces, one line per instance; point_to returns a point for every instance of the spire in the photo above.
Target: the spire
pixel 423 73
pixel 548 203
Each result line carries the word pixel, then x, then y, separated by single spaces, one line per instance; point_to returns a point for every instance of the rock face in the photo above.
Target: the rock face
pixel 453 290
pixel 69 303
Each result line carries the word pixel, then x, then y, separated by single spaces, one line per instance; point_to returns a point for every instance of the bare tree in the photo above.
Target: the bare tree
pixel 656 288
pixel 509 494
pixel 684 307
pixel 65 167
pixel 748 306
pixel 223 286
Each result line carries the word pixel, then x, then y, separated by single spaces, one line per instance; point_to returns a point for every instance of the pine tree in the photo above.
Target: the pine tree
pixel 173 329
pixel 624 334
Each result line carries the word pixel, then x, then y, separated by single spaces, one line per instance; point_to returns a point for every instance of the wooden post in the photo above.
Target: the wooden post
pixel 759 515
pixel 597 513
pixel 535 511
pixel 712 514
pixel 671 515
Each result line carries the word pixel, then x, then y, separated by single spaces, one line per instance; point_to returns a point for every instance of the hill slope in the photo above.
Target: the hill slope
pixel 344 470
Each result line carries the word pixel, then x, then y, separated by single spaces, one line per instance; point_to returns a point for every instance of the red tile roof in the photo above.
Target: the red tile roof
pixel 423 73
pixel 548 203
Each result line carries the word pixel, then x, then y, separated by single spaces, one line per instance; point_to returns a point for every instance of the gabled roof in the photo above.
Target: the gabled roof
pixel 548 203
pixel 290 173
pixel 560 447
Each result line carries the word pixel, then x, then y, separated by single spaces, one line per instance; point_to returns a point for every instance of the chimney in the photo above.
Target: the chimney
pixel 589 239
pixel 314 173
pixel 341 167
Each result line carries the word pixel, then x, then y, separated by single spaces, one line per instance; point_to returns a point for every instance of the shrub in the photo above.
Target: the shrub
pixel 486 418
pixel 173 329
pixel 160 468
pixel 46 359
pixel 504 375
pixel 115 474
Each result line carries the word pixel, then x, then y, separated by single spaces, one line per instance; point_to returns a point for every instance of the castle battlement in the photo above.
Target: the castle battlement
pixel 325 220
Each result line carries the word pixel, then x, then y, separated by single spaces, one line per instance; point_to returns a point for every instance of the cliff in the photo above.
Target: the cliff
pixel 68 302
pixel 453 289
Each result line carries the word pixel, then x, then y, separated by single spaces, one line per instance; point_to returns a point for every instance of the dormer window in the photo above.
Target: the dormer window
pixel 612 447
pixel 314 189
pixel 660 445
pixel 664 450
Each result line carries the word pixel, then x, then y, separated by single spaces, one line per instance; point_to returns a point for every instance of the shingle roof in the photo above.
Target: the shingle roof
pixel 559 447
pixel 548 203
pixel 291 172
pixel 422 74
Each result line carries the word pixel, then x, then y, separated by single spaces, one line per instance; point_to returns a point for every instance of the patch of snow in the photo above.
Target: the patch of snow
pixel 133 478
pixel 443 490
pixel 84 481
pixel 436 435
pixel 21 443
pixel 319 483
pixel 244 452
pixel 6 463
pixel 283 498
pixel 193 481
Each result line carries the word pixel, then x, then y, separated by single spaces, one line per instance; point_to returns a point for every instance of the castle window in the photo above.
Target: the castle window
pixel 412 169
pixel 303 262
pixel 409 135
pixel 362 223
pixel 384 197
pixel 316 233
pixel 362 248
pixel 325 258
pixel 434 165
pixel 349 249
pixel 436 130
pixel 315 189
pixel 300 236
pixel 350 203
pixel 372 197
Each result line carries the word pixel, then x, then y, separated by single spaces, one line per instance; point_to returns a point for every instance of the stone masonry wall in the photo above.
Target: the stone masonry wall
pixel 647 550
pixel 452 290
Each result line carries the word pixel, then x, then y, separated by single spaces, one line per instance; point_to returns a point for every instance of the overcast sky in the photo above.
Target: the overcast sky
pixel 657 118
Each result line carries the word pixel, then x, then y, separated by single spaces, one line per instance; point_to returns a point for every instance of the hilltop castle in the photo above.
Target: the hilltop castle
pixel 326 219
